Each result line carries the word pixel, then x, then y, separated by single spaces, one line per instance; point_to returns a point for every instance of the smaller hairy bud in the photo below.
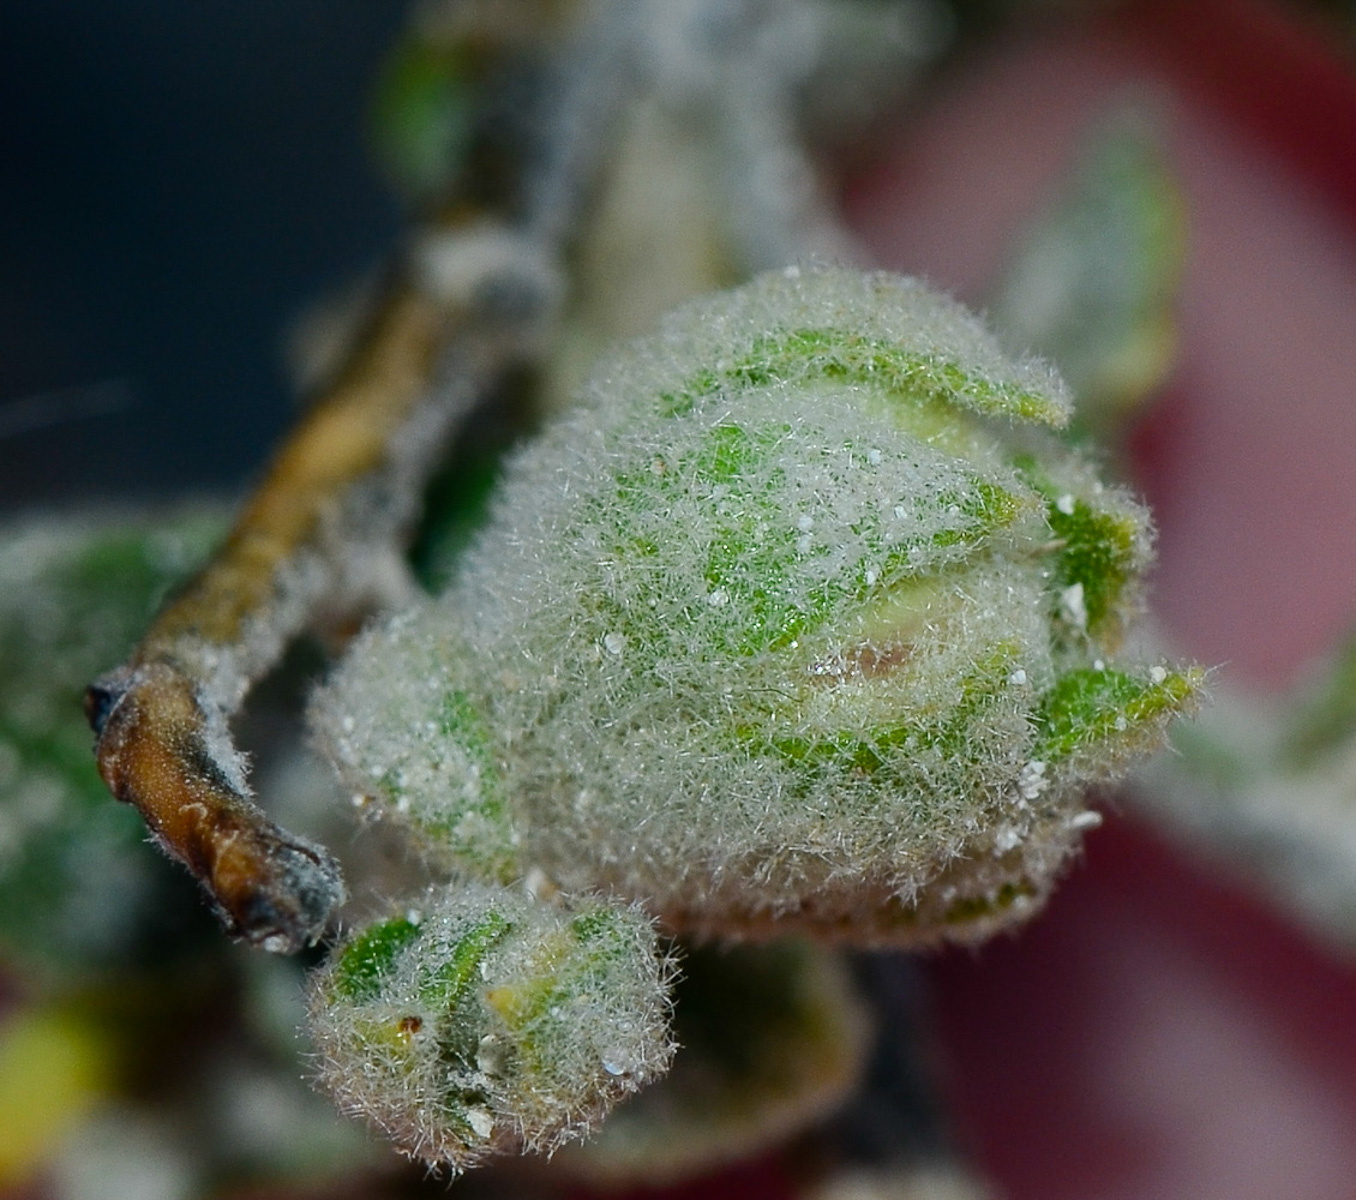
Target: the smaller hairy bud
pixel 802 620
pixel 487 1022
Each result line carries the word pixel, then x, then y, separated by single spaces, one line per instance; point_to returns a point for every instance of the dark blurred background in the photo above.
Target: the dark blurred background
pixel 178 180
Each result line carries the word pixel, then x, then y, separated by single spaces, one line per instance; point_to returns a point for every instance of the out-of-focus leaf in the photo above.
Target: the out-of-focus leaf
pixel 1093 283
pixel 81 893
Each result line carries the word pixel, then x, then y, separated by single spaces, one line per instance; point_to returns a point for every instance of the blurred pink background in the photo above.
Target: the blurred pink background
pixel 1158 1033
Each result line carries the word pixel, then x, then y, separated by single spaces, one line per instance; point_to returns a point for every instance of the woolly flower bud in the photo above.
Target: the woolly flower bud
pixel 488 1022
pixel 798 620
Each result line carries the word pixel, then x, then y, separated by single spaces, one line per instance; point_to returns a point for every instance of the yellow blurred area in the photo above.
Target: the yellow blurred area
pixel 54 1066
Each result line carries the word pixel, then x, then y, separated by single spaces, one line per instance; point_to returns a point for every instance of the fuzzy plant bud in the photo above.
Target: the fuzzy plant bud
pixel 803 619
pixel 487 1022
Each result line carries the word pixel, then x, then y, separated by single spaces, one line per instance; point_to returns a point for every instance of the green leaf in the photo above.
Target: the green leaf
pixel 910 379
pixel 1109 710
pixel 81 892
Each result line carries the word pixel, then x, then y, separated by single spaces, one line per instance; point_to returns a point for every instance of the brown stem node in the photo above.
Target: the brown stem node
pixel 155 751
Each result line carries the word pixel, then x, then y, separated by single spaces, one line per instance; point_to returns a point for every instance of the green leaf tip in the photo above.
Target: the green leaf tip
pixel 835 357
pixel 445 983
pixel 1093 708
pixel 371 957
pixel 1101 549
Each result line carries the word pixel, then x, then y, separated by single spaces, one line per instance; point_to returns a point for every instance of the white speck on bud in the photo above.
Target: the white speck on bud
pixel 1073 606
pixel 481 1121
pixel 614 643
pixel 1031 780
pixel 1065 504
pixel 490 1057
